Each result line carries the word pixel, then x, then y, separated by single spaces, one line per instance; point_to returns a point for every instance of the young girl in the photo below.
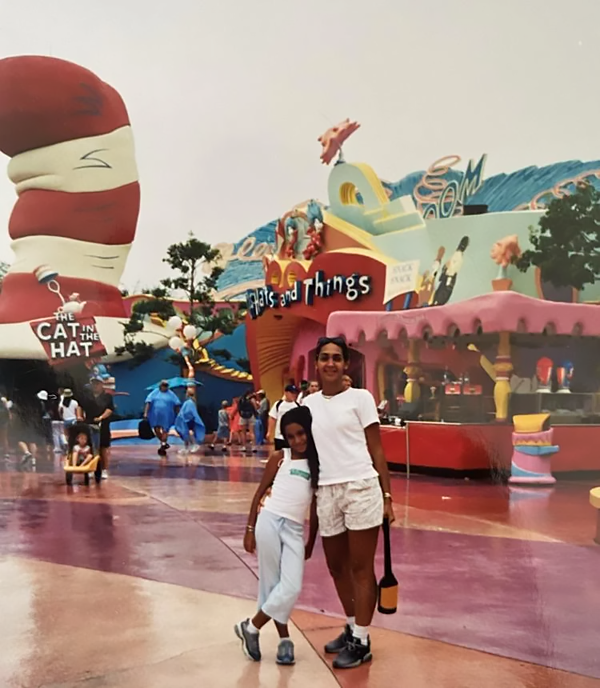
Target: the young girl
pixel 188 423
pixel 82 450
pixel 278 533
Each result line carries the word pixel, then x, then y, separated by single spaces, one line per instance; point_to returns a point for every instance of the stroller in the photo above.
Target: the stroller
pixel 70 467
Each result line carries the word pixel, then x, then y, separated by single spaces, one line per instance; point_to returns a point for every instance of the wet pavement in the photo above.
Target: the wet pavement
pixel 138 582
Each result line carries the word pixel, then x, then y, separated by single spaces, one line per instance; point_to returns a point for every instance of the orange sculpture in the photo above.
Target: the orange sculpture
pixel 333 139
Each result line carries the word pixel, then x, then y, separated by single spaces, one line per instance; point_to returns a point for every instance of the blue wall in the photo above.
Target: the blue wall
pixel 235 343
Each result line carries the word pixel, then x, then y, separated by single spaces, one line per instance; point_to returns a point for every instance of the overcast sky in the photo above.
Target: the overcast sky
pixel 227 98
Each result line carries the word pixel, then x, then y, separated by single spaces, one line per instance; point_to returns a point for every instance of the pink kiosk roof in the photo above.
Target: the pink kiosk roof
pixel 504 311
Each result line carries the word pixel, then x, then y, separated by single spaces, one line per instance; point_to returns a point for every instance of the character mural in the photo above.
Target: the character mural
pixel 429 278
pixel 70 142
pixel 299 234
pixel 449 274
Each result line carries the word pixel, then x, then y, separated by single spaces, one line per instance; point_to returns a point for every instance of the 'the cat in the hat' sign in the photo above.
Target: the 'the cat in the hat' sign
pixel 67 337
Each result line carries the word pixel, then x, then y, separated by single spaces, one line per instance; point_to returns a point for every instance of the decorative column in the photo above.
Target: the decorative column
pixel 412 390
pixel 503 367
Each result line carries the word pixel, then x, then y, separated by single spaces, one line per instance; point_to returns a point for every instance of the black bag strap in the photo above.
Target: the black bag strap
pixel 387 548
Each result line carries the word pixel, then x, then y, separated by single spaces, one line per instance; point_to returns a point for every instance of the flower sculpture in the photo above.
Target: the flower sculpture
pixel 503 253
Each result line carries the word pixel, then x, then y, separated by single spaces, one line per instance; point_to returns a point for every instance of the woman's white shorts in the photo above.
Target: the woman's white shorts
pixel 356 505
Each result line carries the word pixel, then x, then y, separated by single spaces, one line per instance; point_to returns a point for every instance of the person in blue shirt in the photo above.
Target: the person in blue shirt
pixel 162 406
pixel 188 423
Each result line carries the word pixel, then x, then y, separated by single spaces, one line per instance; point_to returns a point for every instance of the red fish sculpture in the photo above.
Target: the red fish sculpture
pixel 333 138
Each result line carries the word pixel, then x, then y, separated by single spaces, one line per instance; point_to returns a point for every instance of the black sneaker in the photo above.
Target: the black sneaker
pixel 353 655
pixel 250 641
pixel 337 645
pixel 162 451
pixel 285 652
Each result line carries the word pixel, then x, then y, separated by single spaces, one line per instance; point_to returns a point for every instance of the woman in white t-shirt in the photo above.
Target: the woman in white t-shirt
pixel 353 497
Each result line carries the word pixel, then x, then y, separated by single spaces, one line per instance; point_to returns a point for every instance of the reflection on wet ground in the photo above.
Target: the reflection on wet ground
pixel 142 577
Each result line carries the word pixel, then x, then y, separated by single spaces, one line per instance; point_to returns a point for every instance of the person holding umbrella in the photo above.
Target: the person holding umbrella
pixel 162 406
pixel 188 423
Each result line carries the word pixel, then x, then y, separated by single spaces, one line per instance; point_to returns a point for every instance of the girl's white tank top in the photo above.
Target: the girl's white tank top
pixel 291 492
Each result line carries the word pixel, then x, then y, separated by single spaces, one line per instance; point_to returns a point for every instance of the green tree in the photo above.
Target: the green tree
pixel 188 259
pixel 195 280
pixel 566 242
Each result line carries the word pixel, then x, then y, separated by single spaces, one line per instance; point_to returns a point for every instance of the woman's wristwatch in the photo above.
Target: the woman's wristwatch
pixel 387 495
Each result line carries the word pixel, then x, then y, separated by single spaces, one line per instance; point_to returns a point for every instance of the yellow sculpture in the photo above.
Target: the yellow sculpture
pixel 412 391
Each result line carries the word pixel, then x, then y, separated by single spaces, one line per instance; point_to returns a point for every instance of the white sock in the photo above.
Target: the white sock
pixel 252 628
pixel 351 621
pixel 361 633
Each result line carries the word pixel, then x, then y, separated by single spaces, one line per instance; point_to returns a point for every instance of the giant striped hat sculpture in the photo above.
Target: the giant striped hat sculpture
pixel 73 165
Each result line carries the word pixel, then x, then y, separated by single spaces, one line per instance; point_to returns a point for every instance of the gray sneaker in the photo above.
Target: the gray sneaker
pixel 285 652
pixel 250 641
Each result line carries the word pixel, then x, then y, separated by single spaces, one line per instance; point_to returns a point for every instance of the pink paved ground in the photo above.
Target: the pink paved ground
pixel 138 582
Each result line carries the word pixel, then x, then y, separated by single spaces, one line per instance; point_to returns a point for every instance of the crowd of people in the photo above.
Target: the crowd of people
pixel 248 422
pixel 27 428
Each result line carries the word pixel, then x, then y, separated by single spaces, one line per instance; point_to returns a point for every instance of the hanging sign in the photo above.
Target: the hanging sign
pixel 401 278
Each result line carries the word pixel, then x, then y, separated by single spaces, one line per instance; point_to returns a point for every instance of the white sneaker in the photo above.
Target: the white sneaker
pixel 194 449
pixel 105 474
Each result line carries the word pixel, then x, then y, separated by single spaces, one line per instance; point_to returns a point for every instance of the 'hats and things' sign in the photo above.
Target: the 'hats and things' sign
pixel 67 337
pixel 307 290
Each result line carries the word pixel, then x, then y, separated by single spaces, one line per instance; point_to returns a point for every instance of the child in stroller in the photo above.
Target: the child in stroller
pixel 80 455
